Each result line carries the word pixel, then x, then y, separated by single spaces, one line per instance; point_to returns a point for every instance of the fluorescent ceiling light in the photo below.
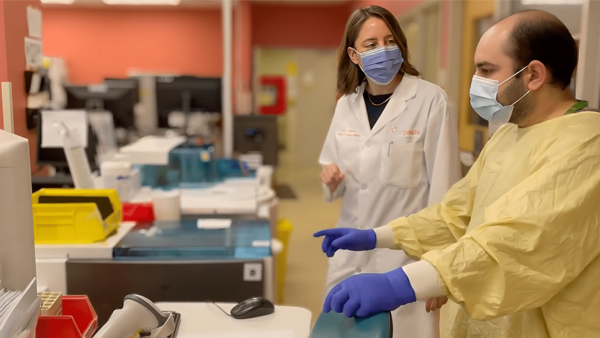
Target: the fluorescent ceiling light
pixel 142 2
pixel 63 2
pixel 552 2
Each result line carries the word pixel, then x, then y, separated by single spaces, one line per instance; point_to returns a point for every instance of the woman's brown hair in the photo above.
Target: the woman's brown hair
pixel 349 74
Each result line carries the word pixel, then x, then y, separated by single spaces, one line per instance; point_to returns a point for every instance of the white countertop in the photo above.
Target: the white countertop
pixel 205 320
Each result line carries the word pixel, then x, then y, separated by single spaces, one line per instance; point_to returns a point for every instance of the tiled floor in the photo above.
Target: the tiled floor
pixel 307 265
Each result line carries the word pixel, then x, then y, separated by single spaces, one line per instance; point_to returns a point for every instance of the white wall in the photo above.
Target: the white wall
pixel 311 89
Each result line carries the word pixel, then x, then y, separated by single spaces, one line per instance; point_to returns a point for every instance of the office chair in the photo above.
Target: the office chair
pixel 337 325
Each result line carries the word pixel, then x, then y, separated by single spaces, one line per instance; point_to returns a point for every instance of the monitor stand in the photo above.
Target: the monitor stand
pixel 62 179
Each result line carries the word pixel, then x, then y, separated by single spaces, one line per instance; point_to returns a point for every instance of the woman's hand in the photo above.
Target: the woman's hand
pixel 434 304
pixel 332 176
pixel 347 239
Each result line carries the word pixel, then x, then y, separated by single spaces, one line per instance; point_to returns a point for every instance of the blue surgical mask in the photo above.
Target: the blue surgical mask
pixel 381 64
pixel 484 100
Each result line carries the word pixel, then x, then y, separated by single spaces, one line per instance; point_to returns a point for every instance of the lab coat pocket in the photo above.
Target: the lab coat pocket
pixel 348 144
pixel 402 164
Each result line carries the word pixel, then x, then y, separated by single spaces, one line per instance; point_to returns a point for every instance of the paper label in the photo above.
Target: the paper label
pixel 261 244
pixel 252 272
pixel 214 223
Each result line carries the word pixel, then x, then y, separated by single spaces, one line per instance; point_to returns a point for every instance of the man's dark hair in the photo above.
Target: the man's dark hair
pixel 548 41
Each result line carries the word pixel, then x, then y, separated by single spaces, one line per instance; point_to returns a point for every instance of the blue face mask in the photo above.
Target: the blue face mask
pixel 381 64
pixel 484 94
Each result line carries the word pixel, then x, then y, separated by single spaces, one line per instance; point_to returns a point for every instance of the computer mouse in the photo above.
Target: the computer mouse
pixel 251 308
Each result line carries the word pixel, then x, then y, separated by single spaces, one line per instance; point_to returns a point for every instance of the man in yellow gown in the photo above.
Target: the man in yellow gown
pixel 515 244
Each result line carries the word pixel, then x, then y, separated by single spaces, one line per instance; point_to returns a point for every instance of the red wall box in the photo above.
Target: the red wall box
pixel 280 105
pixel 78 320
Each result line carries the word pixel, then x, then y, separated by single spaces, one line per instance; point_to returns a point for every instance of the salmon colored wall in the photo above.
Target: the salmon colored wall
pixel 106 42
pixel 311 26
pixel 245 49
pixel 13 30
pixel 98 43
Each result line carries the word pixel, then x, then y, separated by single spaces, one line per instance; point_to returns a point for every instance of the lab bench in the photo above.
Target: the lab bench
pixel 168 261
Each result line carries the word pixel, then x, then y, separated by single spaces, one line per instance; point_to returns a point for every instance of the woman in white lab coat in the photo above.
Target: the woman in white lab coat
pixel 392 149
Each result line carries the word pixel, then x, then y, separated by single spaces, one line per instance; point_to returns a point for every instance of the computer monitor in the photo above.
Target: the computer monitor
pixel 186 94
pixel 131 83
pixel 119 99
pixel 56 156
pixel 257 133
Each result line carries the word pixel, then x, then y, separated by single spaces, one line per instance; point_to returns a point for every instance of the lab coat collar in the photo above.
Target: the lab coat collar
pixel 406 90
pixel 360 110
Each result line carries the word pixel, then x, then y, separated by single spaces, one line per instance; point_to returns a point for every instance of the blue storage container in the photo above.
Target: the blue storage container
pixel 192 164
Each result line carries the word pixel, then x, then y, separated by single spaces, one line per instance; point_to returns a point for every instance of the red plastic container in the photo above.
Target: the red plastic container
pixel 78 320
pixel 138 212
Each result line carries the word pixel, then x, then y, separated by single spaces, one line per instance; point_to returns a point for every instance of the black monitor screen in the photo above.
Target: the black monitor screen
pixel 131 83
pixel 174 93
pixel 119 100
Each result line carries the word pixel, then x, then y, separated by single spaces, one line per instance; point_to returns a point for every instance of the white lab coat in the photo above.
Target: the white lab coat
pixel 408 161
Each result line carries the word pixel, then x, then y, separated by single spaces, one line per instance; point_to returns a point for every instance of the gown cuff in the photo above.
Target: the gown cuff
pixel 385 237
pixel 425 280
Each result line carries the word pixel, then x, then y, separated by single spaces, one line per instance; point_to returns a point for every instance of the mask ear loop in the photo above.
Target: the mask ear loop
pixel 529 91
pixel 358 64
pixel 357 52
pixel 515 74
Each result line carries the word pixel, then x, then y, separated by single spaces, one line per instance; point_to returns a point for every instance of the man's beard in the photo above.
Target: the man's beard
pixel 522 109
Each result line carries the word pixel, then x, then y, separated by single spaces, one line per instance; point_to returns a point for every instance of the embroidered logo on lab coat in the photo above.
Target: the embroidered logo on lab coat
pixel 411 133
pixel 348 132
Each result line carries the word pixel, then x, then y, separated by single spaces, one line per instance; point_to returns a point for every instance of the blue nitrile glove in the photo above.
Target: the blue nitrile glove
pixel 347 239
pixel 362 295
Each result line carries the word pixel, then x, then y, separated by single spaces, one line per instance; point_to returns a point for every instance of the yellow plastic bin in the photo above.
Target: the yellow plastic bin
pixel 284 230
pixel 75 216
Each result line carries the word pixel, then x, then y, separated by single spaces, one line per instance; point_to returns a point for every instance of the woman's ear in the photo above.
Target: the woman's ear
pixel 353 55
